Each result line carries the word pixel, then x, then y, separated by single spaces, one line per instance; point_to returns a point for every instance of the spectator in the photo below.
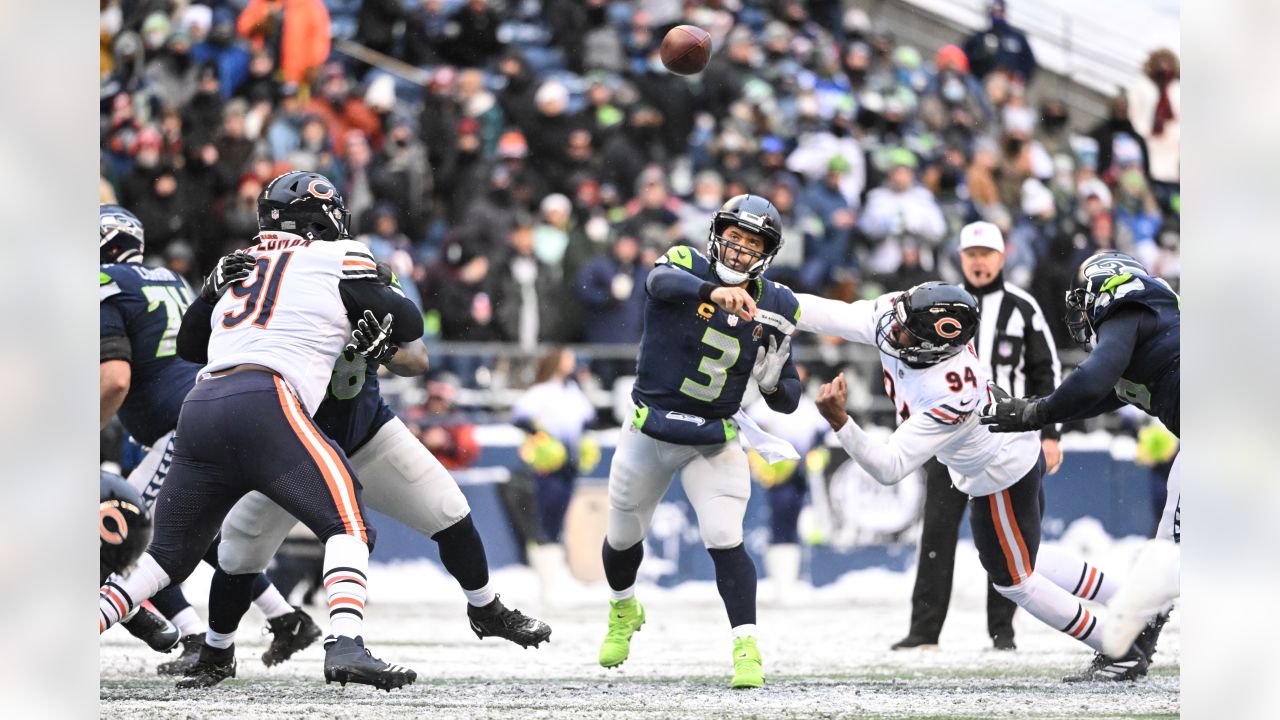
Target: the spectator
pixel 652 216
pixel 232 145
pixel 376 24
pixel 425 33
pixel 526 302
pixel 611 288
pixel 1000 48
pixel 296 31
pixel 402 176
pixel 341 109
pixel 1155 107
pixel 221 51
pixel 831 241
pixel 472 35
pixel 900 212
pixel 1117 127
pixel 459 290
pixel 443 429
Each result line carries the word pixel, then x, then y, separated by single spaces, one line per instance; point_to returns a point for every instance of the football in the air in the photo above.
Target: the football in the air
pixel 686 49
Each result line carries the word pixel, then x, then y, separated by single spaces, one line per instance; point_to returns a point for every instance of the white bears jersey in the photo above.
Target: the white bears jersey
pixel 289 315
pixel 937 408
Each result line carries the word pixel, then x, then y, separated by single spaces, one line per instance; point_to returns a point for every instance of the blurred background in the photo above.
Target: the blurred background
pixel 522 164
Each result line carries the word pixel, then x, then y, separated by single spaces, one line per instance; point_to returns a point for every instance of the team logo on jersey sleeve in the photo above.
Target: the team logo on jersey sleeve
pixel 948 327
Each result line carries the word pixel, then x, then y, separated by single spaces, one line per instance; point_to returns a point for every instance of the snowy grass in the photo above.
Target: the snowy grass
pixel 826 656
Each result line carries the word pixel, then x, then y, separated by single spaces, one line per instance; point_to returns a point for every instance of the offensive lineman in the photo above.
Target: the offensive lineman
pixel 144 381
pixel 1135 322
pixel 710 325
pixel 936 382
pixel 400 477
pixel 247 424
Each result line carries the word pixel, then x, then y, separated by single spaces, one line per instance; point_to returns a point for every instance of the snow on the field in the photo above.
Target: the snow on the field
pixel 825 655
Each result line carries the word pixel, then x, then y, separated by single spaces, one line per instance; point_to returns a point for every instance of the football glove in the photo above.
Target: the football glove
pixel 230 269
pixel 372 339
pixel 769 364
pixel 1009 414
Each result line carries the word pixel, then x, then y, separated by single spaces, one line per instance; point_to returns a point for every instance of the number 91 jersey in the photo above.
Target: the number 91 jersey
pixel 289 315
pixel 694 357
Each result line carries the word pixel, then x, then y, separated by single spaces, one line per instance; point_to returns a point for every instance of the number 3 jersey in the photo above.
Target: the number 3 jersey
pixel 293 314
pixel 695 358
pixel 936 406
pixel 139 313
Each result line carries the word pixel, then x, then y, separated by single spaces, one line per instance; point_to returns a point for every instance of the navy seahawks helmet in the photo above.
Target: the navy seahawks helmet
pixel 119 235
pixel 940 318
pixel 1095 272
pixel 124 525
pixel 753 214
pixel 306 204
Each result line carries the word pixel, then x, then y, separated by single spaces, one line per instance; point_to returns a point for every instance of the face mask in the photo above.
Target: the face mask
pixel 953 90
pixel 111 19
pixel 1054 122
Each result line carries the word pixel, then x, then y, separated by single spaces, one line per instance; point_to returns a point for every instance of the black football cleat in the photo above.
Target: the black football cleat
pixel 1150 634
pixel 289 634
pixel 1132 666
pixel 497 620
pixel 1003 642
pixel 214 666
pixel 346 660
pixel 913 641
pixel 191 645
pixel 151 628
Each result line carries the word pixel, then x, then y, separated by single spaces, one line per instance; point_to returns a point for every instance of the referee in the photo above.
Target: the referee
pixel 1015 339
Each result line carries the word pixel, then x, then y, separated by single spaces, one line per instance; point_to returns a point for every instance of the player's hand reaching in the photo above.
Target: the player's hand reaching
pixel 769 364
pixel 832 399
pixel 372 339
pixel 1009 414
pixel 230 269
pixel 735 301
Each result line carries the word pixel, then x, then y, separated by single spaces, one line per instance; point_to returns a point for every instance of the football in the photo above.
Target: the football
pixel 686 49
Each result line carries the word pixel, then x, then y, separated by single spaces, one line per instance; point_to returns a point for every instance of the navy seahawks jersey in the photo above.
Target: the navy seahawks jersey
pixel 694 357
pixel 145 305
pixel 353 409
pixel 1151 379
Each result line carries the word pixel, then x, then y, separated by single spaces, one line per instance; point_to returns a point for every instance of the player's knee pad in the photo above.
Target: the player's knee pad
pixel 625 529
pixel 401 478
pixel 720 536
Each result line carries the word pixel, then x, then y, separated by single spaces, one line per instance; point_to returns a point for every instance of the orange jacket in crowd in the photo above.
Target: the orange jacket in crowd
pixel 304 45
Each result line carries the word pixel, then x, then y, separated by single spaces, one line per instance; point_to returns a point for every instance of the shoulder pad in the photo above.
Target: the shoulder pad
pixel 1129 289
pixel 687 258
pixel 107 286
pixel 779 307
pixel 357 262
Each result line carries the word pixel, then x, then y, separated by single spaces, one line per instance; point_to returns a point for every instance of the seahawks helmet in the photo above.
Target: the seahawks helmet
pixel 1094 273
pixel 753 214
pixel 304 203
pixel 124 525
pixel 119 235
pixel 940 318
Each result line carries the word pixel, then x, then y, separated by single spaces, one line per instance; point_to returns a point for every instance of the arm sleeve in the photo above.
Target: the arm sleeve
pixel 1042 368
pixel 786 397
pixel 854 321
pixel 370 294
pixel 672 285
pixel 1097 376
pixel 193 335
pixel 914 442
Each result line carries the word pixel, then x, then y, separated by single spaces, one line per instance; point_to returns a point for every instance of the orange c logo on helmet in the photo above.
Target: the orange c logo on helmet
pixel 938 327
pixel 320 189
pixel 112 537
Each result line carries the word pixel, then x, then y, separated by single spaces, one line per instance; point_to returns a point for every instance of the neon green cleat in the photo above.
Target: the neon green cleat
pixel 748 670
pixel 625 619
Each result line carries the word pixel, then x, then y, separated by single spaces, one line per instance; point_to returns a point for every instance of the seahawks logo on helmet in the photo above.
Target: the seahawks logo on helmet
pixel 1088 295
pixel 120 235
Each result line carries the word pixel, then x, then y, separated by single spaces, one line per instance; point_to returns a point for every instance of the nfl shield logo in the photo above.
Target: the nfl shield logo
pixel 275 214
pixel 733 321
pixel 1005 348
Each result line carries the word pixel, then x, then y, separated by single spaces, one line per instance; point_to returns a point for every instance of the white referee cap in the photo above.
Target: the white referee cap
pixel 981 235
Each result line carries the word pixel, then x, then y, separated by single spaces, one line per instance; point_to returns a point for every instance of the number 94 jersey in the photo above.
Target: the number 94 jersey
pixel 145 305
pixel 936 405
pixel 694 357
pixel 289 315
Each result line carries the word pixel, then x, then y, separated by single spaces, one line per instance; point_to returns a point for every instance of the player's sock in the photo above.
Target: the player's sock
pixel 268 598
pixel 171 603
pixel 742 631
pixel 120 595
pixel 462 554
pixel 624 594
pixel 222 641
pixel 229 599
pixel 480 597
pixel 188 622
pixel 1078 577
pixel 620 566
pixel 736 581
pixel 346 565
pixel 1057 608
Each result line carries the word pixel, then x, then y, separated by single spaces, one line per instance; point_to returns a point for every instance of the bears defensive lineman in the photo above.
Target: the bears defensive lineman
pixel 933 376
pixel 709 326
pixel 1132 324
pixel 247 424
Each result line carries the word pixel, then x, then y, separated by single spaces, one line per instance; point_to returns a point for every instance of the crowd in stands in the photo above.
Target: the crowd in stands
pixel 546 158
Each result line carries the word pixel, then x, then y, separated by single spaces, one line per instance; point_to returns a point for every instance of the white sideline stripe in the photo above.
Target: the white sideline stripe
pixel 339 479
pixel 1009 537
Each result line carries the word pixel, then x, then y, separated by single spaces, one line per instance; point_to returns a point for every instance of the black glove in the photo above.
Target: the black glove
pixel 372 339
pixel 230 269
pixel 1009 414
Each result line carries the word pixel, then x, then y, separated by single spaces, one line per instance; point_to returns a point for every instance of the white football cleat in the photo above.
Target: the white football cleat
pixel 1152 584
